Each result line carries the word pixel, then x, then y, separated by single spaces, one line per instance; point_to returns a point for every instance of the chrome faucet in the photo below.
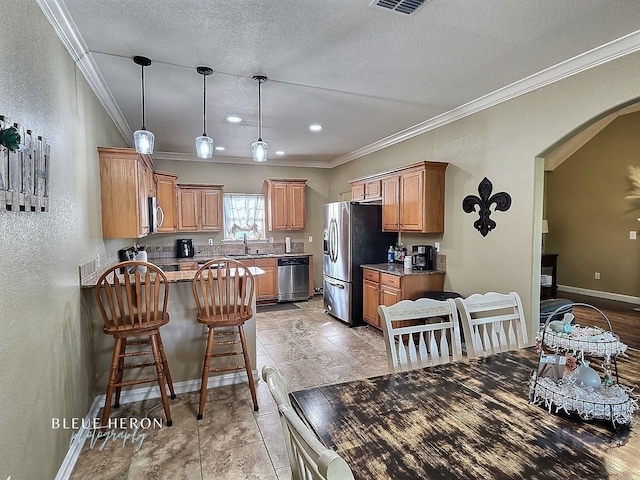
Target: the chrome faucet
pixel 246 245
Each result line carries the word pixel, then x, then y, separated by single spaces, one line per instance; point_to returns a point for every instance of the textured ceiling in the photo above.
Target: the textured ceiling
pixel 363 73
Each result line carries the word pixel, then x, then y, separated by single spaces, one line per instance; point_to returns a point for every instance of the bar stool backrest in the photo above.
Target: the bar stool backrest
pixel 134 300
pixel 223 288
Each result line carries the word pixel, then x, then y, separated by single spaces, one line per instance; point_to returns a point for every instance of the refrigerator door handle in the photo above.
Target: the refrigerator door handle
pixel 333 240
pixel 339 285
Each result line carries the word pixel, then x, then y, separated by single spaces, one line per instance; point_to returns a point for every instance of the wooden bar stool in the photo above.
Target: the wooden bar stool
pixel 134 307
pixel 224 292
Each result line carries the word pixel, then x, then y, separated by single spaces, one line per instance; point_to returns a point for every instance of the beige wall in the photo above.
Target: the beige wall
pixel 502 143
pixel 44 344
pixel 589 218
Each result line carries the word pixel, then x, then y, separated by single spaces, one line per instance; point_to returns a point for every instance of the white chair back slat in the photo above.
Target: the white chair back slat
pixel 433 339
pixel 492 323
pixel 308 457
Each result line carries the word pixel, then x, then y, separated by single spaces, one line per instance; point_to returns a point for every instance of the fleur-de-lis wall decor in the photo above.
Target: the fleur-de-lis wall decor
pixel 484 224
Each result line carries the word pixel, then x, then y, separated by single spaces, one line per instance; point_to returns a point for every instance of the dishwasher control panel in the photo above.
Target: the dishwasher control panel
pixel 285 261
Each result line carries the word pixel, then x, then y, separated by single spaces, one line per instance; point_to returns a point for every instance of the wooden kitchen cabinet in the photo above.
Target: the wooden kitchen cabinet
pixel 386 289
pixel 391 204
pixel 366 191
pixel 199 208
pixel 267 284
pixel 126 183
pixel 286 204
pixel 166 195
pixel 413 199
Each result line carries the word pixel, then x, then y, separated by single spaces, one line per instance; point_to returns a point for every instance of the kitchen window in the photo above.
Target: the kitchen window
pixel 243 214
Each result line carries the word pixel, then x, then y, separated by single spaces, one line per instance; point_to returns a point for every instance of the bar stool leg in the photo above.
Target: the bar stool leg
pixel 118 384
pixel 247 365
pixel 113 374
pixel 165 366
pixel 159 371
pixel 205 372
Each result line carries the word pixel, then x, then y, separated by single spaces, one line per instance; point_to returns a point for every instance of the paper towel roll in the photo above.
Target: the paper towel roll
pixel 287 244
pixel 141 256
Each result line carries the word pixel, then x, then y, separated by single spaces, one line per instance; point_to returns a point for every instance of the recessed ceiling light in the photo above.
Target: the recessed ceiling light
pixel 279 152
pixel 220 149
pixel 234 119
pixel 316 127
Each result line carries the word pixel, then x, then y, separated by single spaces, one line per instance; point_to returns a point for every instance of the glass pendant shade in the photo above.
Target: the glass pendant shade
pixel 204 143
pixel 259 150
pixel 204 146
pixel 143 140
pixel 259 147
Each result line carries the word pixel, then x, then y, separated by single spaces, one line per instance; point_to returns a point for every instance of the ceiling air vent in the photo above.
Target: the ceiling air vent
pixel 405 7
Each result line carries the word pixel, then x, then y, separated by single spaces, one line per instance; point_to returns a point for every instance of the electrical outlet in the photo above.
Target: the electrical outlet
pixel 597 275
pixel 211 241
pixel 437 246
pixel 310 238
pixel 632 235
pixel 270 239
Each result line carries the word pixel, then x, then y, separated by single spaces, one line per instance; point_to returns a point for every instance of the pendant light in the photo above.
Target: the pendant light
pixel 143 138
pixel 204 144
pixel 258 147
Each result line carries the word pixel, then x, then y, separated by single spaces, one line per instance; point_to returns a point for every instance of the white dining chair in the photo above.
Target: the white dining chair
pixel 308 457
pixel 492 322
pixel 420 333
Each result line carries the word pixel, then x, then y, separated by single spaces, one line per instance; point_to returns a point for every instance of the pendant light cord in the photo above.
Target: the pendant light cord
pixel 204 106
pixel 260 110
pixel 142 67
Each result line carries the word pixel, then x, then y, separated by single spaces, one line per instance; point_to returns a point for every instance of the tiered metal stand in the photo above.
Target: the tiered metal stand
pixel 561 391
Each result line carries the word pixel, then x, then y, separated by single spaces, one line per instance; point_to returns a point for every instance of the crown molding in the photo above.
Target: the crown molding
pixel 585 61
pixel 56 12
pixel 221 159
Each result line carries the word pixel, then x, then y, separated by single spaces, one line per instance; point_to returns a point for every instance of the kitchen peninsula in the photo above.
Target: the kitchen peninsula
pixel 184 339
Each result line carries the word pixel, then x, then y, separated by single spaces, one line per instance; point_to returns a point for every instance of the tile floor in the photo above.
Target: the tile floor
pixel 232 441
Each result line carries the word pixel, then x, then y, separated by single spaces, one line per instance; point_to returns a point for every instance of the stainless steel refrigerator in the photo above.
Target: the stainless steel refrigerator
pixel 352 236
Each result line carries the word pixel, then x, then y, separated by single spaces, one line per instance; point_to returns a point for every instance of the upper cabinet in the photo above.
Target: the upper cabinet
pixel 166 194
pixel 286 204
pixel 366 191
pixel 126 183
pixel 199 208
pixel 412 197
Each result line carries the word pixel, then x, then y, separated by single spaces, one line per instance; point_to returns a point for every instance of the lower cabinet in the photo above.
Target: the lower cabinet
pixel 267 284
pixel 386 289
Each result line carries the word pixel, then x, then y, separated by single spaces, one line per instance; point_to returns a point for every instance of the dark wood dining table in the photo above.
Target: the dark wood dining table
pixel 467 420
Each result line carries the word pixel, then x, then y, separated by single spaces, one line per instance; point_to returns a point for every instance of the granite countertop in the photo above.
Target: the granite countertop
pixel 398 269
pixel 173 277
pixel 236 256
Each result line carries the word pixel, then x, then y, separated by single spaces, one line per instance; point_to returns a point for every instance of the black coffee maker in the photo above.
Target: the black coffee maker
pixel 422 257
pixel 184 248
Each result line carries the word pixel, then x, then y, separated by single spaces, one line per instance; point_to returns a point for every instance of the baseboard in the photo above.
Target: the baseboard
pixel 137 395
pixel 595 293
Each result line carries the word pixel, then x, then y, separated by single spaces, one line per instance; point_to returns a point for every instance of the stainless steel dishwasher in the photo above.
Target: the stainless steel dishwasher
pixel 293 279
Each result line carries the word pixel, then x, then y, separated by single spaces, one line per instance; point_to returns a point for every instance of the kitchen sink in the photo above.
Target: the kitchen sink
pixel 238 255
pixel 169 268
pixel 263 255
